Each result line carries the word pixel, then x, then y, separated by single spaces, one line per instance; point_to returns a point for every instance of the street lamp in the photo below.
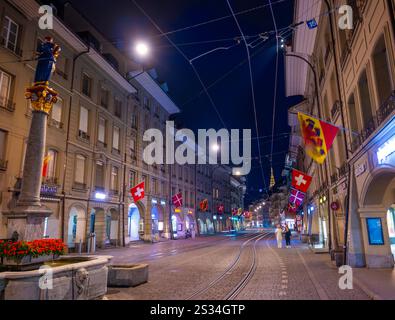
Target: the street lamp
pixel 142 49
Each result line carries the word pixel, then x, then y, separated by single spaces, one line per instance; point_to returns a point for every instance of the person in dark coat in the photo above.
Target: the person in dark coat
pixel 288 237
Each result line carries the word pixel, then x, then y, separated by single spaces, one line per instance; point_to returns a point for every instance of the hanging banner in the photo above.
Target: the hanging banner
pixel 138 192
pixel 301 181
pixel 318 137
pixel 203 205
pixel 296 198
pixel 177 200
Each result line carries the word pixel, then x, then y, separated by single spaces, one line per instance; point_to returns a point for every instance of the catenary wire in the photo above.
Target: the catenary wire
pixel 275 81
pixel 252 87
pixel 186 58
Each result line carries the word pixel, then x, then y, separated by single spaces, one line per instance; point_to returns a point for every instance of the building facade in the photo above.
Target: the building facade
pixel 350 84
pixel 95 135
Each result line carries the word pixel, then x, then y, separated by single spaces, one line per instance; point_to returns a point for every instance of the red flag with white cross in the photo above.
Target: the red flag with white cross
pixel 301 181
pixel 138 192
pixel 177 200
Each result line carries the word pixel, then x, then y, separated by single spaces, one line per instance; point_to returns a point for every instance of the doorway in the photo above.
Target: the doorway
pixel 391 228
pixel 133 223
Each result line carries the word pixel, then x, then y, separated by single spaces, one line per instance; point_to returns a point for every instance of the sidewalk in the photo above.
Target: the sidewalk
pixel 378 284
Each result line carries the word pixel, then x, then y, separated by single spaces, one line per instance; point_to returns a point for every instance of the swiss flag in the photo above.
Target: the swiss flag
pixel 301 181
pixel 221 209
pixel 177 200
pixel 138 192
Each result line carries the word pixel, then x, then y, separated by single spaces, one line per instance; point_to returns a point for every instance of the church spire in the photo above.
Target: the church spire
pixel 272 180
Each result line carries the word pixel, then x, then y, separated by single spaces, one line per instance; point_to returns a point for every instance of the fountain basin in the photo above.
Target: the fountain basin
pixel 127 275
pixel 68 278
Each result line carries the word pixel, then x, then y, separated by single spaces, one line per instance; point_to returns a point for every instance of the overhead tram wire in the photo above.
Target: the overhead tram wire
pixel 252 88
pixel 216 19
pixel 186 58
pixel 275 82
pixel 225 75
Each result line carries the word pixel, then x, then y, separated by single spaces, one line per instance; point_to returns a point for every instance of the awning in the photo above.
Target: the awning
pixel 302 45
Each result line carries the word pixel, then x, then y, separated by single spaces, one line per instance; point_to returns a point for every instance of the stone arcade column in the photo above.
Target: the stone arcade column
pixel 27 218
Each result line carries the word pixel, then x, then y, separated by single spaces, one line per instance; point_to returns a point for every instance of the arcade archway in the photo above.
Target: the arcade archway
pixel 76 227
pixel 135 223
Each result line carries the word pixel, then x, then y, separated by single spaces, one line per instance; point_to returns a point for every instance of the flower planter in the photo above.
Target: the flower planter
pixel 27 262
pixel 22 255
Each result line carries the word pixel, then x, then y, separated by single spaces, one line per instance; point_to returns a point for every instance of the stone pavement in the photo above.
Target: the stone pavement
pixel 296 274
pixel 180 268
pixel 379 284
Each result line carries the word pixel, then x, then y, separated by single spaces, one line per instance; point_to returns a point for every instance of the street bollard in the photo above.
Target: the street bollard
pixel 80 247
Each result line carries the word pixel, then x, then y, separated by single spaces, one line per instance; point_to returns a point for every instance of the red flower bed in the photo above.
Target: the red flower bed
pixel 20 249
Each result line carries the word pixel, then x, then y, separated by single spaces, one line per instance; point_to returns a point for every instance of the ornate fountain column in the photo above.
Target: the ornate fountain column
pixel 27 217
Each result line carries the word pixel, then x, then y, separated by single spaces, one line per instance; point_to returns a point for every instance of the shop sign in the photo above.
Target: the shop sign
pixel 49 190
pixel 335 206
pixel 386 151
pixel 360 169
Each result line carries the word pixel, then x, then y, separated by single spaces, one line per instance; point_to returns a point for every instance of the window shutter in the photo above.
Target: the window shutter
pixel 102 130
pixel 80 169
pixel 57 111
pixel 115 138
pixel 84 114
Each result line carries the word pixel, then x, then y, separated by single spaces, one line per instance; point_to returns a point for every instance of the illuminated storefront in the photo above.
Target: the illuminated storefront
pixel 371 241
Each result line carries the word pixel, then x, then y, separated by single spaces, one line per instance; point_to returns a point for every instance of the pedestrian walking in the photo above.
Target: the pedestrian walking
pixel 288 235
pixel 279 236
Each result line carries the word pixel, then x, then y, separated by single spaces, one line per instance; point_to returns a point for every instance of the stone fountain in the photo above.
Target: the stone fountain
pixel 69 277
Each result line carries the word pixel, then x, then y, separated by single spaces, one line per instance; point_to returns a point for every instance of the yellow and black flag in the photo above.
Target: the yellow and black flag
pixel 318 137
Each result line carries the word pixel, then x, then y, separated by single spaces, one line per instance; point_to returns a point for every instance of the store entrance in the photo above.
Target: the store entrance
pixel 391 227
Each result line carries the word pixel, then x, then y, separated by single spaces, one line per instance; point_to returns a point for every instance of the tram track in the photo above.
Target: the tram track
pixel 144 257
pixel 227 274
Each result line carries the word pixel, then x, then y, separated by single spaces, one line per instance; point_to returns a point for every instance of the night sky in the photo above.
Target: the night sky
pixel 123 23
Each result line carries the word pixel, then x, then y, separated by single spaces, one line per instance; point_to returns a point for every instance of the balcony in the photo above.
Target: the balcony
pixel 7 104
pixel 336 109
pixel 116 151
pixel 381 116
pixel 83 135
pixel 51 181
pixel 61 73
pixel 100 189
pixel 114 193
pixel 101 145
pixel 81 187
pixel 3 165
pixel 334 178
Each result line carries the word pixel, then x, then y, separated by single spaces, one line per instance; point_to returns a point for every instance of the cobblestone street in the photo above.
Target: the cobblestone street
pixel 210 268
